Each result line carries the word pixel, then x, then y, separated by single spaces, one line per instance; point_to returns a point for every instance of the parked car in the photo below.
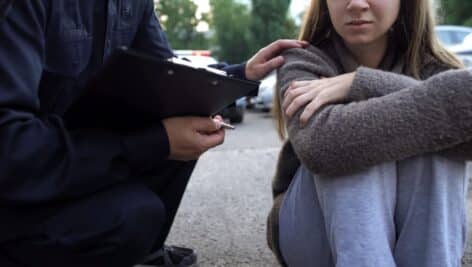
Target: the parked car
pixel 457 39
pixel 263 100
pixel 450 35
pixel 234 112
pixel 464 50
pixel 199 57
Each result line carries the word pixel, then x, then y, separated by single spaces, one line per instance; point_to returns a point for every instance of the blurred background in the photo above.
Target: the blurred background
pixel 209 31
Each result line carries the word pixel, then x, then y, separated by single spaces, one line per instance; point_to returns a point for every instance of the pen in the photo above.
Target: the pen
pixel 223 124
pixel 227 126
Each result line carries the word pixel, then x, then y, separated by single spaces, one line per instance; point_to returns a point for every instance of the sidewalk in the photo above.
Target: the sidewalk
pixel 467 260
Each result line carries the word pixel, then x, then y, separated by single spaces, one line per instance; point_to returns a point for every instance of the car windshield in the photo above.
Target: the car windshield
pixel 452 35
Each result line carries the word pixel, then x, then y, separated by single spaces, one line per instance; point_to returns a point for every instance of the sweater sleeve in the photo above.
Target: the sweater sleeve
pixel 369 83
pixel 425 116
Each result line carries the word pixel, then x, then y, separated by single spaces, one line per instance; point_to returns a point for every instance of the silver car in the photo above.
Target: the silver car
pixel 263 100
pixel 458 40
pixel 450 35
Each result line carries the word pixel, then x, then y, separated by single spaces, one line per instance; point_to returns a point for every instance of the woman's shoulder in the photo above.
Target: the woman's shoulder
pixel 313 55
pixel 309 53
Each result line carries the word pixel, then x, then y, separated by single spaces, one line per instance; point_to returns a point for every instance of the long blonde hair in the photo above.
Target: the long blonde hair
pixel 413 31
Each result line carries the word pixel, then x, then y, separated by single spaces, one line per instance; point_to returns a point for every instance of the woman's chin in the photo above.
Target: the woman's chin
pixel 359 41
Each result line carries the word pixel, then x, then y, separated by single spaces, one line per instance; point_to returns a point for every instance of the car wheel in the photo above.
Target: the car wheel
pixel 237 115
pixel 249 102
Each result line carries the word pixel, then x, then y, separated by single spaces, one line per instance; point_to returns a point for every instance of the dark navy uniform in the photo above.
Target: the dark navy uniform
pixel 82 197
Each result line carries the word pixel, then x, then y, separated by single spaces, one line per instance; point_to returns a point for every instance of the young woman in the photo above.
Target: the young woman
pixel 379 120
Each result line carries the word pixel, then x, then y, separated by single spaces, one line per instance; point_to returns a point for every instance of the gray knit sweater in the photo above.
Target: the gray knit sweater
pixel 387 116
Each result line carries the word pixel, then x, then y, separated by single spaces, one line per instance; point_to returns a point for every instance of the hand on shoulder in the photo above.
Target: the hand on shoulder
pixel 268 58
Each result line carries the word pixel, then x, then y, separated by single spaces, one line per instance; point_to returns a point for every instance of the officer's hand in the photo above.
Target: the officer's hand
pixel 268 58
pixel 189 137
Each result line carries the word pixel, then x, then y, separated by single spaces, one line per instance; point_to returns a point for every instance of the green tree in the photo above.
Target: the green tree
pixel 179 20
pixel 270 21
pixel 456 12
pixel 230 22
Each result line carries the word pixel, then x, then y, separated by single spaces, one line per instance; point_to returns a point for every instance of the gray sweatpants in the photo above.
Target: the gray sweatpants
pixel 408 213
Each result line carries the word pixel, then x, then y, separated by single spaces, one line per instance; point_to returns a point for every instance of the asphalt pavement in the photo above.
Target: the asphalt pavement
pixel 223 213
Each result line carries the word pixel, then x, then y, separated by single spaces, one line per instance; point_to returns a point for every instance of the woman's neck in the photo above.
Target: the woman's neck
pixel 369 55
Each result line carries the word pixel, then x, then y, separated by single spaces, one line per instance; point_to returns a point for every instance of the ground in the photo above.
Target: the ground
pixel 223 213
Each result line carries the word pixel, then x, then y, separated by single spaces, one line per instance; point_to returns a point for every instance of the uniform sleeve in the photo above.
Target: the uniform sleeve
pixel 40 160
pixel 236 70
pixel 150 37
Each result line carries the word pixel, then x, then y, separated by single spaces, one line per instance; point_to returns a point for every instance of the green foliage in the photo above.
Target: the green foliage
pixel 178 18
pixel 269 22
pixel 239 32
pixel 468 22
pixel 456 12
pixel 230 23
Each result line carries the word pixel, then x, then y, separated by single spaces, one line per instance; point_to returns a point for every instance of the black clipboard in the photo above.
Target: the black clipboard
pixel 133 89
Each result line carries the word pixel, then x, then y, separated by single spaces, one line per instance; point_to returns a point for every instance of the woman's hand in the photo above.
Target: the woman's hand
pixel 315 94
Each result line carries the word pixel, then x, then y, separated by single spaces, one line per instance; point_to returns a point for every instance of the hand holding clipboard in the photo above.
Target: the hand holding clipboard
pixel 133 89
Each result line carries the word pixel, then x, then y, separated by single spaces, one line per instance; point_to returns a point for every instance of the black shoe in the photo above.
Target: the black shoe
pixel 171 256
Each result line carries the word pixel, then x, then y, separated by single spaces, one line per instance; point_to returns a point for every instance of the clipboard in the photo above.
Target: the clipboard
pixel 134 89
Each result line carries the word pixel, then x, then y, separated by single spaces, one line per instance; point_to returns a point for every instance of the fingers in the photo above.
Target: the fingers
pixel 261 67
pixel 189 137
pixel 268 58
pixel 311 94
pixel 210 132
pixel 218 120
pixel 272 64
pixel 293 87
pixel 297 84
pixel 311 109
pixel 298 88
pixel 205 125
pixel 315 94
pixel 218 117
pixel 278 46
pixel 301 101
pixel 213 139
pixel 269 66
pixel 291 94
